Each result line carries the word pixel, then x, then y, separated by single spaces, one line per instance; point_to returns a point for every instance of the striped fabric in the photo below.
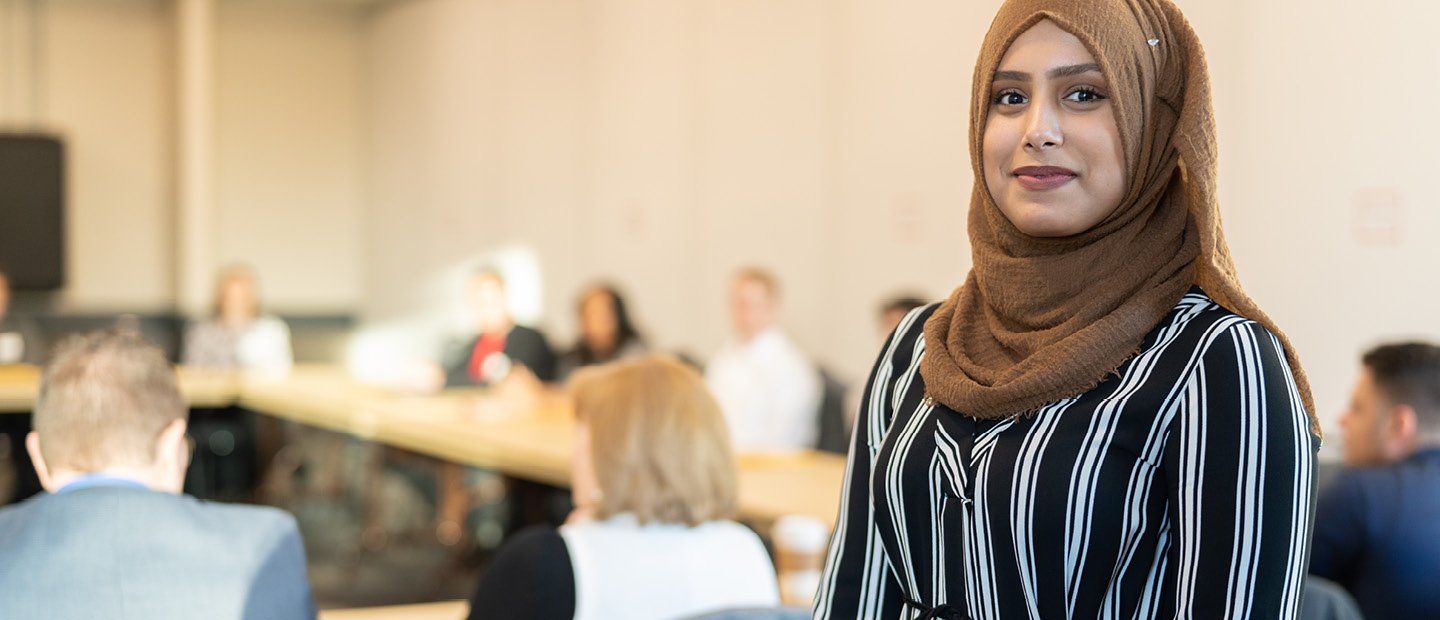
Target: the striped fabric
pixel 1180 487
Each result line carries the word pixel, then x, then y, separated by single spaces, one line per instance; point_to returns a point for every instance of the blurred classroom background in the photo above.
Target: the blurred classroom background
pixel 363 156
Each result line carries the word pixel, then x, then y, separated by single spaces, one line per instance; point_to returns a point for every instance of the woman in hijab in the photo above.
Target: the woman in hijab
pixel 1098 422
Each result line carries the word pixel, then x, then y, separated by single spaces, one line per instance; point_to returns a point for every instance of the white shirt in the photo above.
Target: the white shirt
pixel 263 345
pixel 666 570
pixel 769 391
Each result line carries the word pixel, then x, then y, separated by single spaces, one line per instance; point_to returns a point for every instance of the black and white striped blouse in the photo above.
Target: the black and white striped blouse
pixel 1180 487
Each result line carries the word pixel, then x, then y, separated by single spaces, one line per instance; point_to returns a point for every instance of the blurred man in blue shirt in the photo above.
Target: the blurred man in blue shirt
pixel 114 538
pixel 1377 526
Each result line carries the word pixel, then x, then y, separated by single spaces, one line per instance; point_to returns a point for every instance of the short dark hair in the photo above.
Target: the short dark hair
pixel 903 303
pixel 1408 373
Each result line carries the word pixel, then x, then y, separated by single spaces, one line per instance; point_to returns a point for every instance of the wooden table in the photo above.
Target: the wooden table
pixel 447 610
pixel 529 440
pixel 20 385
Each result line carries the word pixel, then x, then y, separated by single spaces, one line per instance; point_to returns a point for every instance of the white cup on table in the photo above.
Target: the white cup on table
pixel 12 348
pixel 799 556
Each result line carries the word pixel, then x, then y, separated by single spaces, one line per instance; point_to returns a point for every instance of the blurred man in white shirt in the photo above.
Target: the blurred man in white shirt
pixel 769 390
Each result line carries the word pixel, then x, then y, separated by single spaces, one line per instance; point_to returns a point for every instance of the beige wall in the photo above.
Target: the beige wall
pixel 662 144
pixel 289 169
pixel 289 154
pixel 114 111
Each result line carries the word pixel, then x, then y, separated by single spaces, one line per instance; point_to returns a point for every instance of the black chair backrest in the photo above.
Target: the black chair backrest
pixel 834 435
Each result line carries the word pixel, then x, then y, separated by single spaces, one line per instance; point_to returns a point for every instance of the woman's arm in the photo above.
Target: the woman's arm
pixel 858 581
pixel 1240 463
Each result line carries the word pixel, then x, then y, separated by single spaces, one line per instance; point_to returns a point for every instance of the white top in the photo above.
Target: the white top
pixel 666 570
pixel 769 391
pixel 263 345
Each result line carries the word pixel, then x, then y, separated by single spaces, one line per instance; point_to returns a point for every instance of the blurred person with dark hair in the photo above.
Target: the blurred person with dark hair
pixel 1377 526
pixel 606 332
pixel 114 537
pixel 894 310
pixel 20 343
pixel 238 335
pixel 769 390
pixel 499 344
pixel 654 484
pixel 20 340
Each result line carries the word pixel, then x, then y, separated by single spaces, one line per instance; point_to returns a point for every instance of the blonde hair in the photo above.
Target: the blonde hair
pixel 104 399
pixel 660 446
pixel 230 274
pixel 761 276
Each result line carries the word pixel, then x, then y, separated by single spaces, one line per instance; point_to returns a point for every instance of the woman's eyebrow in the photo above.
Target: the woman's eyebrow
pixel 1056 73
pixel 1072 70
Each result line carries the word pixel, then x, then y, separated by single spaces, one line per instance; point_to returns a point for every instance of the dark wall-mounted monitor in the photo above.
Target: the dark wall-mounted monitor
pixel 32 210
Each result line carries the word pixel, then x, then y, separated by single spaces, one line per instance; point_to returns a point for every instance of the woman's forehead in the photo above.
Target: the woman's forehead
pixel 1045 46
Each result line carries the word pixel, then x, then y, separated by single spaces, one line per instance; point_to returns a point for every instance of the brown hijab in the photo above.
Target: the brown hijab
pixel 1041 319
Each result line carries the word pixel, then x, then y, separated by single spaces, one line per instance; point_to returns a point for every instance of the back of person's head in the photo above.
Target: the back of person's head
pixel 104 400
pixel 1409 374
pixel 659 445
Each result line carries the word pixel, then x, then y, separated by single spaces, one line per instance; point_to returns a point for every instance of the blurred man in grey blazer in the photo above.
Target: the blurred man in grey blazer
pixel 114 537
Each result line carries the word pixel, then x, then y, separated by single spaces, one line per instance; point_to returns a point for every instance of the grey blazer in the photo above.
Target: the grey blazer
pixel 127 553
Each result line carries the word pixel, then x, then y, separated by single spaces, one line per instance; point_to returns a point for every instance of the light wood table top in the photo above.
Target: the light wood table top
pixel 527 438
pixel 20 385
pixel 446 610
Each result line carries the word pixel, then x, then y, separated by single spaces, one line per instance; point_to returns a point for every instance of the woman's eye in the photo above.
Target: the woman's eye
pixel 1009 97
pixel 1085 95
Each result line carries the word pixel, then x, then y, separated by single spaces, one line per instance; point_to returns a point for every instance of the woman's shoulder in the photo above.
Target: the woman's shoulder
pixel 911 329
pixel 538 547
pixel 623 527
pixel 270 323
pixel 1201 315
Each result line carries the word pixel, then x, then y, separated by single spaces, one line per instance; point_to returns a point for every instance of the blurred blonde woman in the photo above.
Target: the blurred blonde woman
pixel 653 480
pixel 237 335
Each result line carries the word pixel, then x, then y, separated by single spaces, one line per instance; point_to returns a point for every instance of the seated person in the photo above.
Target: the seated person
pixel 1377 526
pixel 768 389
pixel 499 343
pixel 237 336
pixel 606 333
pixel 114 538
pixel 653 481
pixel 895 309
pixel 20 341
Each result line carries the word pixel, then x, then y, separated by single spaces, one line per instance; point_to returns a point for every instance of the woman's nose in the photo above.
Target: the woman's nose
pixel 1042 129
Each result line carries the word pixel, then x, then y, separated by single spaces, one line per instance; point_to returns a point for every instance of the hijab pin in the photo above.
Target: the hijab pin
pixel 1153 42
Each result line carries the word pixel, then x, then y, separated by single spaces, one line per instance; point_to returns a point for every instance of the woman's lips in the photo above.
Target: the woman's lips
pixel 1041 178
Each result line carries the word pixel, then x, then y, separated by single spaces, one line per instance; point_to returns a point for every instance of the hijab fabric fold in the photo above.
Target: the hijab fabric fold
pixel 1042 319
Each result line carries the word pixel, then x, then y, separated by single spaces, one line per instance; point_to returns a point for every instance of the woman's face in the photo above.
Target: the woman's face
pixel 1052 155
pixel 598 324
pixel 237 300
